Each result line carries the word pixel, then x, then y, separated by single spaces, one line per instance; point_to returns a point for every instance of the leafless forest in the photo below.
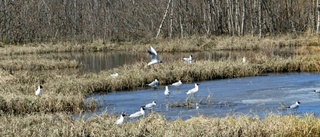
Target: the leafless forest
pixel 126 20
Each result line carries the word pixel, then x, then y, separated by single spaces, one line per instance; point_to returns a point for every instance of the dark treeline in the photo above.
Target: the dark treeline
pixel 118 20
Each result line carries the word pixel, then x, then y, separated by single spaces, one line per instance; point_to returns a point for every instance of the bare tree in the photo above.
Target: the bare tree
pixel 85 21
pixel 164 17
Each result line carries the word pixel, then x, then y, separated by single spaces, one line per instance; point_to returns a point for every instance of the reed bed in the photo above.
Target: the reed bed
pixel 189 44
pixel 28 104
pixel 156 125
pixel 64 85
pixel 72 88
pixel 38 64
pixel 65 88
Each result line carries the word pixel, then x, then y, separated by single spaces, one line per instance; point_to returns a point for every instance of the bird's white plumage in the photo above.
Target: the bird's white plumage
pixel 120 120
pixel 194 90
pixel 189 59
pixel 295 105
pixel 177 84
pixel 152 51
pixel 244 60
pixel 151 105
pixel 166 91
pixel 154 83
pixel 138 114
pixel 316 90
pixel 154 56
pixel 39 91
pixel 114 75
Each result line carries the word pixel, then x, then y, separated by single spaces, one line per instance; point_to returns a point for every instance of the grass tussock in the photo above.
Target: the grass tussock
pixel 45 104
pixel 38 64
pixel 156 125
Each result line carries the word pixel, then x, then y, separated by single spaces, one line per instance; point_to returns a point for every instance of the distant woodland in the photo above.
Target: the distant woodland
pixel 23 21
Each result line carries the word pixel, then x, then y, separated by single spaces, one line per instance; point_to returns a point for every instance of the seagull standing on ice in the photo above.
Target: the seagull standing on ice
pixel 154 83
pixel 294 106
pixel 316 90
pixel 154 56
pixel 151 105
pixel 177 84
pixel 138 114
pixel 121 119
pixel 194 90
pixel 39 91
pixel 189 60
pixel 197 106
pixel 167 92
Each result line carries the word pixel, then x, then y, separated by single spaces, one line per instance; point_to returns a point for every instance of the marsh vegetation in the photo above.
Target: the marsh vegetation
pixel 65 87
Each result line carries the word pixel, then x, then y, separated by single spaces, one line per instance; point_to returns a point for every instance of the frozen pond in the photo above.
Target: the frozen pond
pixel 260 95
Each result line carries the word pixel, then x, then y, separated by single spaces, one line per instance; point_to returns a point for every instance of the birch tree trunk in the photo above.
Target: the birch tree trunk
pixel 243 17
pixel 171 21
pixel 318 26
pixel 312 16
pixel 254 17
pixel 230 17
pixel 260 19
pixel 236 22
pixel 164 17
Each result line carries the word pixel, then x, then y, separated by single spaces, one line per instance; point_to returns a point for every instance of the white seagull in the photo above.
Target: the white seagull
pixel 189 60
pixel 154 56
pixel 151 105
pixel 39 91
pixel 316 90
pixel 177 84
pixel 295 105
pixel 114 75
pixel 244 60
pixel 167 92
pixel 197 106
pixel 138 114
pixel 121 119
pixel 194 90
pixel 154 83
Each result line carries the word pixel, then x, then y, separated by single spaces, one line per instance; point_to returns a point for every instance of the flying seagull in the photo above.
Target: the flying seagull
pixel 154 56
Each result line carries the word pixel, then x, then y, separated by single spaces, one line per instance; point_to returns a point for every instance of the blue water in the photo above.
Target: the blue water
pixel 259 95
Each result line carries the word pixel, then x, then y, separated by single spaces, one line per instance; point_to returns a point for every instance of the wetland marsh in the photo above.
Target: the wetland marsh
pixel 72 76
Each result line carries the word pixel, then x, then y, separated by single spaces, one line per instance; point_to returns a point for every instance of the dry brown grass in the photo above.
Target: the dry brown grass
pixel 65 86
pixel 189 44
pixel 38 64
pixel 156 125
pixel 24 114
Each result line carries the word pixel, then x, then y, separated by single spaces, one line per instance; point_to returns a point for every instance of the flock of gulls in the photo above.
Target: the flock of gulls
pixel 154 84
